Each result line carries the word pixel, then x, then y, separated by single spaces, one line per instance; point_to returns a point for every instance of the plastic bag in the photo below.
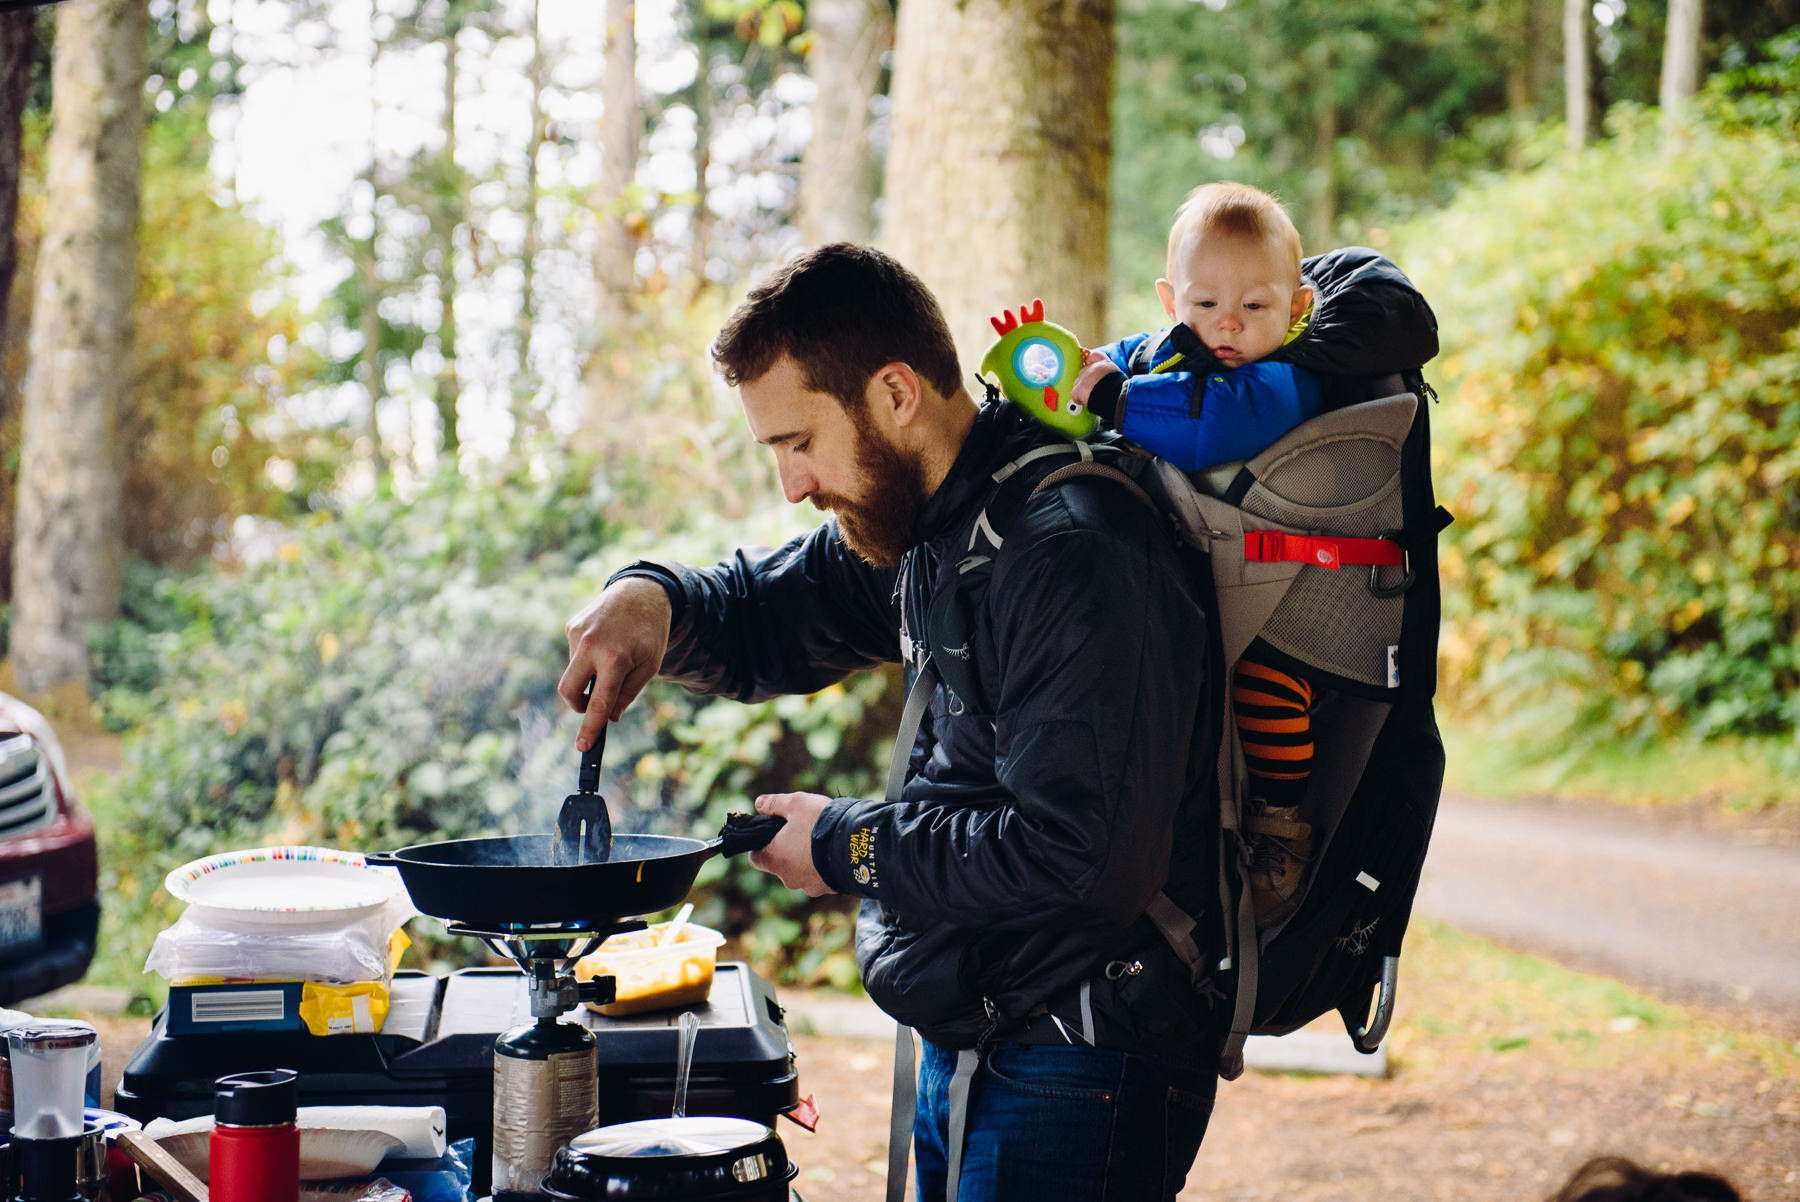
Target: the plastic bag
pixel 445 1179
pixel 357 951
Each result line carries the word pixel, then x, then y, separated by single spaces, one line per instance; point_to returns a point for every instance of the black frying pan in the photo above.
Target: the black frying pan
pixel 492 883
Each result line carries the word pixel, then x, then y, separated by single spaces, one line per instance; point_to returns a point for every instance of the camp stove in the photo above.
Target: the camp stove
pixel 546 1072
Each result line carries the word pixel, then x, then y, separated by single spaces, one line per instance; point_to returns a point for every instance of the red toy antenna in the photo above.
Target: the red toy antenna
pixel 1005 323
pixel 1035 312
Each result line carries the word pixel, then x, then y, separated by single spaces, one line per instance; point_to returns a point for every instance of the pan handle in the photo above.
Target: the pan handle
pixel 747 832
pixel 380 859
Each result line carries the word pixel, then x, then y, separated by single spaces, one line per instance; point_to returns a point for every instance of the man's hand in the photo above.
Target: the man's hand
pixel 789 853
pixel 1094 365
pixel 617 641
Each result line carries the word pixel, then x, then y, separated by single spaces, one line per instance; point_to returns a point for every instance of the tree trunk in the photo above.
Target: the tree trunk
pixel 369 369
pixel 704 102
pixel 446 216
pixel 1546 18
pixel 615 253
pixel 67 547
pixel 704 221
pixel 18 35
pixel 997 177
pixel 1575 71
pixel 525 414
pixel 1681 60
pixel 841 169
pixel 1531 65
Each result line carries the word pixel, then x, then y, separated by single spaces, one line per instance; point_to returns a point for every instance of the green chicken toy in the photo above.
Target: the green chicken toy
pixel 1035 363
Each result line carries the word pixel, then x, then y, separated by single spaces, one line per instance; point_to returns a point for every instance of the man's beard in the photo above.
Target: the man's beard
pixel 879 527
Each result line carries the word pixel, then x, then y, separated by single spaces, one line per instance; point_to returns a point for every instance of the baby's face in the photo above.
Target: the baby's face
pixel 1236 295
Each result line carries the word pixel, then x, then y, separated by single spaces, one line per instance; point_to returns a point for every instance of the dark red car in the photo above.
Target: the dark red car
pixel 49 868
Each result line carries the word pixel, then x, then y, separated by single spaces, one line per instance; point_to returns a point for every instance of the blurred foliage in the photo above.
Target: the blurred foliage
pixel 1416 97
pixel 659 422
pixel 214 355
pixel 1621 433
pixel 1760 95
pixel 1234 90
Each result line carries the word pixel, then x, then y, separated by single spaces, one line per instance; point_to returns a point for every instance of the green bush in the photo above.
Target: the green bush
pixel 1620 438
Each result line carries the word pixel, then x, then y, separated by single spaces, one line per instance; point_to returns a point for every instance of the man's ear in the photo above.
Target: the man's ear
pixel 896 390
pixel 1166 291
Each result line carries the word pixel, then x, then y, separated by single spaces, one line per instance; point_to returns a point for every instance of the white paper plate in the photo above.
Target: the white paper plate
pixel 320 883
pixel 325 1152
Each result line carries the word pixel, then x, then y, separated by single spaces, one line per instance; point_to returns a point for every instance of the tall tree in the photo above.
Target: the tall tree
pixel 17 37
pixel 1575 71
pixel 997 176
pixel 525 415
pixel 1681 59
pixel 615 250
pixel 434 186
pixel 842 168
pixel 446 214
pixel 371 367
pixel 67 547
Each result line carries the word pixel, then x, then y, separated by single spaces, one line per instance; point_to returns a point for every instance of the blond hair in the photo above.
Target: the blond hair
pixel 1235 210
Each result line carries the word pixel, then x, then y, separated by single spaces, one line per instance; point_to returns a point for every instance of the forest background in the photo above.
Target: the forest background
pixel 348 346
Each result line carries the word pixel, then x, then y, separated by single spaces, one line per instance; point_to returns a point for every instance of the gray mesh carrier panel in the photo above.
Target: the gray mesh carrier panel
pixel 1348 485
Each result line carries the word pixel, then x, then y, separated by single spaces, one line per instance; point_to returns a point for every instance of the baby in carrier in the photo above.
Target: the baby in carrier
pixel 1201 394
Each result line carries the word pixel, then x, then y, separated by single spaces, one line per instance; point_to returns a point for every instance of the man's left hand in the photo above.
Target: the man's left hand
pixel 789 853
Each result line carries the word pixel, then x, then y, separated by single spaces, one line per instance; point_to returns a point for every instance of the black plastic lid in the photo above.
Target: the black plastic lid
pixel 266 1099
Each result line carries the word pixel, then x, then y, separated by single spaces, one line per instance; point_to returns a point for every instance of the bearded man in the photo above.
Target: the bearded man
pixel 1066 1053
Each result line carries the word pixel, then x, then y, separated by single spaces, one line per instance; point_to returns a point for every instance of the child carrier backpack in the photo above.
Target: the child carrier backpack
pixel 1322 552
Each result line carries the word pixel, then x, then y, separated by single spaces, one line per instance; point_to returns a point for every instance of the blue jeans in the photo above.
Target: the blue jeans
pixel 1070 1123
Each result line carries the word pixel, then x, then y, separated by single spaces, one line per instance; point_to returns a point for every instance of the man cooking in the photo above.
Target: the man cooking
pixel 1004 890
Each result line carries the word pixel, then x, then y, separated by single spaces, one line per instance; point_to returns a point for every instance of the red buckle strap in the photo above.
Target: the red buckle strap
pixel 1275 546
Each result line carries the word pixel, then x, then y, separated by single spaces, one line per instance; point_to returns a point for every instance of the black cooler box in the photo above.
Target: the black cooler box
pixel 436 1048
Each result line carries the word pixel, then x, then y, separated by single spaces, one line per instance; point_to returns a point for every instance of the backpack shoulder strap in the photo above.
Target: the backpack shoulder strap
pixel 1105 471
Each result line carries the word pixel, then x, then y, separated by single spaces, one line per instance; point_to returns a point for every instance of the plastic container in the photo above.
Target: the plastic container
pixel 49 1073
pixel 254 1153
pixel 649 977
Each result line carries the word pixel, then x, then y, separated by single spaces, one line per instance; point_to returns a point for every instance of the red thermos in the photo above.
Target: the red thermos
pixel 255 1152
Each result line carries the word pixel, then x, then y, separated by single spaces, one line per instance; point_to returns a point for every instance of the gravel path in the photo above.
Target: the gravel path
pixel 1697 912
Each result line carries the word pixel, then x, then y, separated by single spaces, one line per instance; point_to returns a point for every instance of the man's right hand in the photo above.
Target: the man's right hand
pixel 617 641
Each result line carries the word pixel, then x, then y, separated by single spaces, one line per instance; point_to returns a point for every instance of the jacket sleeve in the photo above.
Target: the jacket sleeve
pixel 1101 653
pixel 764 623
pixel 1368 318
pixel 1241 411
pixel 1103 397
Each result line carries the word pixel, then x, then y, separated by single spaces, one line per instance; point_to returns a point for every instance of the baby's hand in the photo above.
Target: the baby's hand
pixel 1094 366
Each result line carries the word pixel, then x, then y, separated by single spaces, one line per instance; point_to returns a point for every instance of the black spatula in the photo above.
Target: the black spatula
pixel 583 827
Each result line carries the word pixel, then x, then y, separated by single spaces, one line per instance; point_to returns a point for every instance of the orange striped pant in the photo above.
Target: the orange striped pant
pixel 1274 721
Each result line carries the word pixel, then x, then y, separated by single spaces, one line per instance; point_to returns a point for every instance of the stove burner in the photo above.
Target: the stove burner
pixel 547 953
